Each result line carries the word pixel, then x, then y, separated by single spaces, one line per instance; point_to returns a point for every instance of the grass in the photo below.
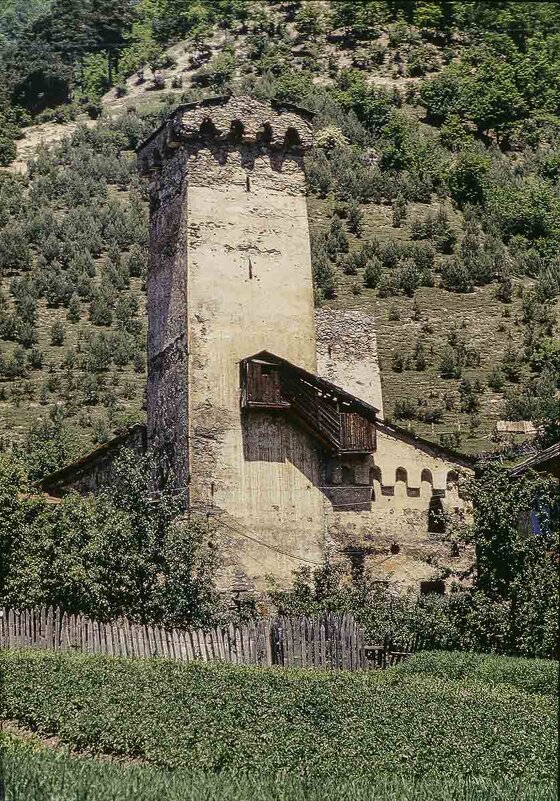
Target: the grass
pixel 440 727
pixel 325 726
pixel 31 771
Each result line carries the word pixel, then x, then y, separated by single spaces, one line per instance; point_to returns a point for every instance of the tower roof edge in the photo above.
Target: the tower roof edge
pixel 237 119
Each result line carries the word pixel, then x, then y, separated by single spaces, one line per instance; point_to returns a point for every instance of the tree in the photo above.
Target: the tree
pixel 455 276
pixel 372 272
pixel 74 309
pixel 467 178
pixel 8 150
pixel 14 249
pixel 49 444
pixel 120 553
pixel 309 21
pixel 99 353
pixel 516 535
pixel 57 333
pixel 355 218
pixel 449 366
pixel 337 240
pixel 399 211
pixel 409 277
pixel 100 312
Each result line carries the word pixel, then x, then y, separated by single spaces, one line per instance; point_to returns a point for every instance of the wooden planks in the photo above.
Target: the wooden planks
pixel 329 642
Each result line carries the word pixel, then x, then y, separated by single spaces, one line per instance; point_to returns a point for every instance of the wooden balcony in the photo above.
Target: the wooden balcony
pixel 341 422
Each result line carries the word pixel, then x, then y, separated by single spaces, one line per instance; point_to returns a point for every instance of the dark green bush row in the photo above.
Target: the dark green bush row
pixel 529 675
pixel 215 717
pixel 32 772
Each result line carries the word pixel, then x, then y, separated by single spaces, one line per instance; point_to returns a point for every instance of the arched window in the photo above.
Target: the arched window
pixel 427 476
pixel 436 516
pixel 208 129
pixel 452 479
pixel 265 135
pixel 374 475
pixel 401 475
pixel 292 138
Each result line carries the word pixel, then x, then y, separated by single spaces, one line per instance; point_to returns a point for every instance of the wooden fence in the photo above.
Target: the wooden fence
pixel 330 642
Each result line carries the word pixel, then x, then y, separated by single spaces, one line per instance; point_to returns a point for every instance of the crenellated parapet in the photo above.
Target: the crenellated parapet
pixel 230 121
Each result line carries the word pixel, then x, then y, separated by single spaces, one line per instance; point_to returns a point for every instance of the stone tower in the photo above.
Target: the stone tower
pixel 286 462
pixel 230 276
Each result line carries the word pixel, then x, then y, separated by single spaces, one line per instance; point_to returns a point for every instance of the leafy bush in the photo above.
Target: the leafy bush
pixel 215 717
pixel 405 409
pixel 538 676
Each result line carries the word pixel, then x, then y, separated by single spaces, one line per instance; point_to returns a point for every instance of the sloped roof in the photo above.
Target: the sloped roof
pixel 369 411
pixel 464 459
pixel 89 460
pixel 313 379
pixel 538 461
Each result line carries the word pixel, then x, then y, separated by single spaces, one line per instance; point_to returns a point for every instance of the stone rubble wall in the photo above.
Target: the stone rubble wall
pixel 167 384
pixel 347 352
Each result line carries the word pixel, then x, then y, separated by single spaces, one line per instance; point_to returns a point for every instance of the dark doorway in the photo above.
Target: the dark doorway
pixel 436 516
pixel 436 587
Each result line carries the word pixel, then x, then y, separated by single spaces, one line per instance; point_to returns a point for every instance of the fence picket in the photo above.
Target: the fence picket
pixel 331 641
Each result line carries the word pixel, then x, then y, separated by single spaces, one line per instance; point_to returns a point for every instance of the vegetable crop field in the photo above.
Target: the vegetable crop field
pixel 443 726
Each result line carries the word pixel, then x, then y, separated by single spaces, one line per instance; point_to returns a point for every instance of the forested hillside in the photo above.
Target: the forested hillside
pixel 434 197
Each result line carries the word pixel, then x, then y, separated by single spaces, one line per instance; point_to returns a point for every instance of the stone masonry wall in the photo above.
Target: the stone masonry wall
pixel 167 388
pixel 240 261
pixel 347 352
pixel 230 275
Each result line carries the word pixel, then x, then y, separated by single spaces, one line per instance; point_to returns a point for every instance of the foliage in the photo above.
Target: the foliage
pixel 528 675
pixel 122 552
pixel 34 770
pixel 261 720
pixel 516 532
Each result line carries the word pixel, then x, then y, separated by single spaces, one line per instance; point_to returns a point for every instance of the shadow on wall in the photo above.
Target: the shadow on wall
pixel 248 153
pixel 269 437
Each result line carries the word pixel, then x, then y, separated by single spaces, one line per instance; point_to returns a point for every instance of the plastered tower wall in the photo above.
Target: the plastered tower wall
pixel 231 279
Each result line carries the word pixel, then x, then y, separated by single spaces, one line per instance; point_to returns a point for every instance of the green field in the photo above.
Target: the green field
pixel 32 771
pixel 442 726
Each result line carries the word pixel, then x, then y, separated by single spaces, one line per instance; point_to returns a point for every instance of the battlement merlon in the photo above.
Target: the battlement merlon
pixel 243 120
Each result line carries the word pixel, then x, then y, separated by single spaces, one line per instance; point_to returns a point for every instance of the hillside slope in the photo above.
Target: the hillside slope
pixel 439 216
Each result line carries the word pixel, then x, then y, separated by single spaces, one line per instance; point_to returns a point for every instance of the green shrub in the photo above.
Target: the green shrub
pixel 538 676
pixel 57 333
pixel 213 717
pixel 372 272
